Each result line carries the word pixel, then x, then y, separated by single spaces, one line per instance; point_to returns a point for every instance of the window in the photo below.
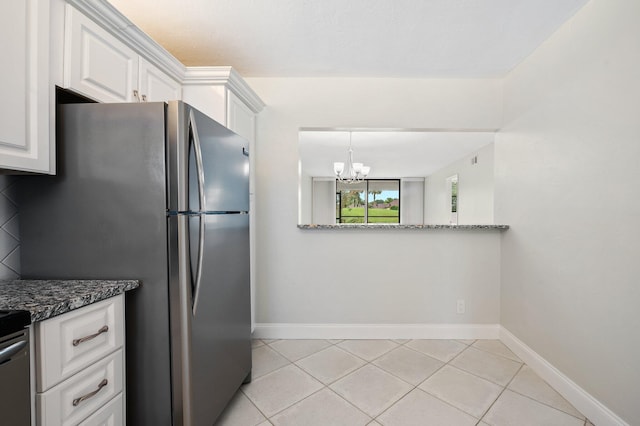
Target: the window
pixel 382 201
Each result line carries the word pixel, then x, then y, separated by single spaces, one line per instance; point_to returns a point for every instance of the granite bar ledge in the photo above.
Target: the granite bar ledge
pixel 377 226
pixel 49 298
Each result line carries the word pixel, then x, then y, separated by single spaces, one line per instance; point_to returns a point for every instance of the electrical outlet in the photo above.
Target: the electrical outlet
pixel 460 306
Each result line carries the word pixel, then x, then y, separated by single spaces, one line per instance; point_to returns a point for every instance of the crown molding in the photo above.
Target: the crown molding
pixel 108 17
pixel 224 76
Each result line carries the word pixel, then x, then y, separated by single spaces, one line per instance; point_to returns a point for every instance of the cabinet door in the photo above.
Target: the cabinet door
pixel 96 64
pixel 156 86
pixel 240 118
pixel 24 84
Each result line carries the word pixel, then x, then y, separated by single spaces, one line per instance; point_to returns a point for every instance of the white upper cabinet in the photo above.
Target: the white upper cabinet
pixel 96 64
pixel 240 118
pixel 101 67
pixel 24 83
pixel 223 95
pixel 156 86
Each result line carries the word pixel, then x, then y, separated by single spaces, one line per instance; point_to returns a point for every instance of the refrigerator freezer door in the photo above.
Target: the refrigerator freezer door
pixel 212 354
pixel 211 166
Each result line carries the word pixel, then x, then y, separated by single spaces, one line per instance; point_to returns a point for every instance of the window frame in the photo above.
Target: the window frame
pixel 339 214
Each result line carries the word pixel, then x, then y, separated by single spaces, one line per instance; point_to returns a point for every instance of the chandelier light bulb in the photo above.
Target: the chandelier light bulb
pixel 364 171
pixel 338 168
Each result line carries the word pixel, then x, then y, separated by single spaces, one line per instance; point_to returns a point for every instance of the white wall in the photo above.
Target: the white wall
pixel 568 183
pixel 305 196
pixel 324 201
pixel 475 190
pixel 412 201
pixel 366 276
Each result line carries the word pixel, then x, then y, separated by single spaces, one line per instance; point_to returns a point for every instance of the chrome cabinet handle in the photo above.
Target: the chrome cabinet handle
pixel 103 329
pixel 102 384
pixel 136 95
pixel 144 98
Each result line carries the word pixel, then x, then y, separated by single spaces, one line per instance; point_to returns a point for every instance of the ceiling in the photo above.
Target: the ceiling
pixel 349 38
pixel 390 154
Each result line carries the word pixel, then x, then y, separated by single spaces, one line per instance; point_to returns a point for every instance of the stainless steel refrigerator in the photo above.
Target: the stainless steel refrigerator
pixel 156 192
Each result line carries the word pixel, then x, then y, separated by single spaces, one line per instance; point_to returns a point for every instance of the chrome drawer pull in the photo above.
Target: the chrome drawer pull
pixel 102 384
pixel 104 329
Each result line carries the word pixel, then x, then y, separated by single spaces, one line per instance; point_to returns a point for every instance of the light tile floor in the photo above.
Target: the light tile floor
pixel 394 383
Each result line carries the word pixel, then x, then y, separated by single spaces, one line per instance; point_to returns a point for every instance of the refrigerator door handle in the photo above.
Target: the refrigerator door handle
pixel 196 287
pixel 201 198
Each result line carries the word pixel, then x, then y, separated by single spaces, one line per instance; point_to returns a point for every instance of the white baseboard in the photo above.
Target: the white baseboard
pixel 376 331
pixel 593 409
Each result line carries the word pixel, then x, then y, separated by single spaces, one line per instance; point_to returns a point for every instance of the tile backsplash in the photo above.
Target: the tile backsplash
pixel 9 230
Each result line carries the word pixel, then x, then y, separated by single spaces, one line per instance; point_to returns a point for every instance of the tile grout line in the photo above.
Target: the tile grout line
pixel 5 258
pixel 544 403
pixel 247 396
pixel 484 378
pixel 306 356
pixel 497 354
pixel 442 400
pixel 288 406
pixel 499 395
pixel 374 418
pixel 431 356
pixel 417 387
pixel 254 405
pixel 413 387
pixel 310 395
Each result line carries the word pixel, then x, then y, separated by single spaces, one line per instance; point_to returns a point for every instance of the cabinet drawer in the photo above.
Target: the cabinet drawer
pixel 112 414
pixel 97 384
pixel 70 342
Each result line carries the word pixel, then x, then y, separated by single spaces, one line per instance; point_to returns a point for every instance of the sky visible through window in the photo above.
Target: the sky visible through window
pixel 384 195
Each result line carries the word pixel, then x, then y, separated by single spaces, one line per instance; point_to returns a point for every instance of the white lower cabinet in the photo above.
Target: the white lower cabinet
pixel 80 366
pixel 81 395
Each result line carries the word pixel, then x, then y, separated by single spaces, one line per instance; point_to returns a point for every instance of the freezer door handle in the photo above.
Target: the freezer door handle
pixel 245 152
pixel 201 198
pixel 198 153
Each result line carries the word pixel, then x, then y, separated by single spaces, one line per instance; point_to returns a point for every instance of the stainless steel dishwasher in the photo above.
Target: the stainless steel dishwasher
pixel 15 394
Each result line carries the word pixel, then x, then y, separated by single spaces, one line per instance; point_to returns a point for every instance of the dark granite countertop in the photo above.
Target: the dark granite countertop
pixel 49 298
pixel 361 226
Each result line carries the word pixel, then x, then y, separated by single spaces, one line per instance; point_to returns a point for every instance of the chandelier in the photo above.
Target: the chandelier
pixel 356 172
